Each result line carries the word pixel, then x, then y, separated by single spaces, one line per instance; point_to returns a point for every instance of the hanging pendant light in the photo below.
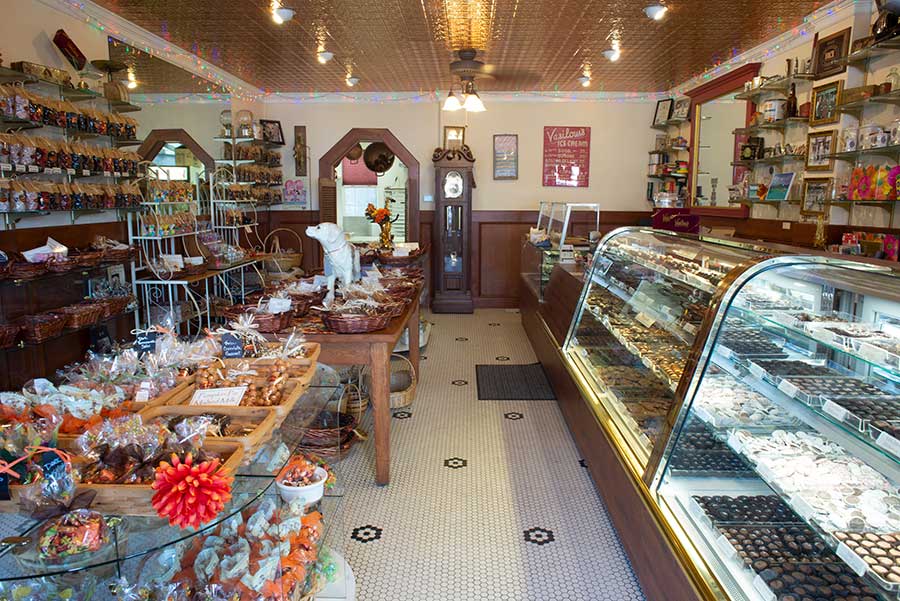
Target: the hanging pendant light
pixel 452 102
pixel 472 101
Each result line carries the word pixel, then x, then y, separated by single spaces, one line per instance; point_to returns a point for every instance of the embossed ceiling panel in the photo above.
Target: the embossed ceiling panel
pixel 156 76
pixel 405 45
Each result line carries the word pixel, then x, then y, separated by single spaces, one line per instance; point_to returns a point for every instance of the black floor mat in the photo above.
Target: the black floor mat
pixel 513 383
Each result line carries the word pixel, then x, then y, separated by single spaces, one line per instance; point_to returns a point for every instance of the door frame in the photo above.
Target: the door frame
pixel 331 159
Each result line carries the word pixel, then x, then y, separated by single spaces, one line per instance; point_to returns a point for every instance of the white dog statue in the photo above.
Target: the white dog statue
pixel 343 256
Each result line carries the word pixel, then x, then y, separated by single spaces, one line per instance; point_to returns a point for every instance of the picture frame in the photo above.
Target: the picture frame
pixel 663 111
pixel 816 191
pixel 301 152
pixel 682 109
pixel 506 156
pixel 829 54
pixel 825 102
pixel 454 137
pixel 271 131
pixel 820 147
pixel 780 187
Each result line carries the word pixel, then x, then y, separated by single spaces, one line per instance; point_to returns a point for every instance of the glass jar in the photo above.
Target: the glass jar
pixel 872 136
pixel 895 133
pixel 850 139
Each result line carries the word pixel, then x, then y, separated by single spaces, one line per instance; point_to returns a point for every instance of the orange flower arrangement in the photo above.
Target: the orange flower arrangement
pixel 188 494
pixel 377 216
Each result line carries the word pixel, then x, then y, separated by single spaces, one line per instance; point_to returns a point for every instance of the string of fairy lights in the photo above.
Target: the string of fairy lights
pixel 211 78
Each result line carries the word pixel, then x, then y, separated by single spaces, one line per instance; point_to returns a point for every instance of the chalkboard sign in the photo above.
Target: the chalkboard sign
pixel 145 342
pixel 4 487
pixel 50 463
pixel 232 347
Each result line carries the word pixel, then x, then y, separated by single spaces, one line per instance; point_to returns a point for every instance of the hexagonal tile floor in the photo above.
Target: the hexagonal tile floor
pixel 487 501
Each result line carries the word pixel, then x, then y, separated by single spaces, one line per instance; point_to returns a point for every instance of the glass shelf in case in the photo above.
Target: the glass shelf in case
pixel 782 469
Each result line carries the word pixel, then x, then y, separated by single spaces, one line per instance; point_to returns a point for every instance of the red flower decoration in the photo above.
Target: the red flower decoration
pixel 188 494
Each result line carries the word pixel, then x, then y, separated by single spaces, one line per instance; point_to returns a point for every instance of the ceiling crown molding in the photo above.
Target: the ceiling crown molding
pixel 124 30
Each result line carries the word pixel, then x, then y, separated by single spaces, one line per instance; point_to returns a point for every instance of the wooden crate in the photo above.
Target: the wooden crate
pixel 135 499
pixel 261 419
pixel 293 390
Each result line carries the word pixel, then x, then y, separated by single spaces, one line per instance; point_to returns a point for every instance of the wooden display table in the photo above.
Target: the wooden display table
pixel 374 349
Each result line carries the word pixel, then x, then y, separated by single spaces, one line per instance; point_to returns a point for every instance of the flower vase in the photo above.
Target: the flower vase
pixel 387 240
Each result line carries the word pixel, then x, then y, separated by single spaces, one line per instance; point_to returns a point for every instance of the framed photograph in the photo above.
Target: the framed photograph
pixel 506 156
pixel 825 100
pixel 454 137
pixel 819 148
pixel 829 54
pixel 271 131
pixel 663 111
pixel 815 195
pixel 301 152
pixel 115 275
pixel 861 44
pixel 682 109
pixel 780 187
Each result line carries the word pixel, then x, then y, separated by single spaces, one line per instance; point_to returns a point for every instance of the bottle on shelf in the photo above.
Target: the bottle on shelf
pixel 792 102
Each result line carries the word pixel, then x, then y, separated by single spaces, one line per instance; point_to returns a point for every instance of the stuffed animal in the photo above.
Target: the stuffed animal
pixel 343 256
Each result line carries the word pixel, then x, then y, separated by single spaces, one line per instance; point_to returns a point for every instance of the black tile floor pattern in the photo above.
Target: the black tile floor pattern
pixel 480 507
pixel 513 382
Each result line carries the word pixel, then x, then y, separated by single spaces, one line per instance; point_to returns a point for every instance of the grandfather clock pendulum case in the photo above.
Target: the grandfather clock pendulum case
pixel 454 181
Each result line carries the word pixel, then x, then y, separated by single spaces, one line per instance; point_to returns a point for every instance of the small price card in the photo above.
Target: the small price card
pixel 219 396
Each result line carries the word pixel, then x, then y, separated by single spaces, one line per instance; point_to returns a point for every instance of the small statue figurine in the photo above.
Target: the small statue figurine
pixel 343 256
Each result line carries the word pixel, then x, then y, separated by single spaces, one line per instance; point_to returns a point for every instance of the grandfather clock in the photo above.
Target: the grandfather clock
pixel 454 181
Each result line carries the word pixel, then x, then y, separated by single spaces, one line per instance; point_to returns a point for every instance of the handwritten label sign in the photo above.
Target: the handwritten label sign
pixel 567 156
pixel 145 342
pixel 232 347
pixel 219 396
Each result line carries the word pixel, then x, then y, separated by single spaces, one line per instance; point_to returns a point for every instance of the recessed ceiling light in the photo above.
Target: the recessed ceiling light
pixel 282 14
pixel 613 54
pixel 656 11
pixel 351 81
pixel 131 84
pixel 585 81
pixel 323 56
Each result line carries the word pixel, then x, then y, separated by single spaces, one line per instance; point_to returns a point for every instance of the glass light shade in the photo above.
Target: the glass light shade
pixel 473 104
pixel 225 117
pixel 452 103
pixel 245 117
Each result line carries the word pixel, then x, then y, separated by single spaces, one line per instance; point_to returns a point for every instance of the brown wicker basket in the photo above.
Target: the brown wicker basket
pixel 390 259
pixel 23 270
pixel 117 255
pixel 367 257
pixel 267 323
pixel 60 265
pixel 349 323
pixel 113 305
pixel 38 328
pixel 191 269
pixel 327 429
pixel 81 315
pixel 8 334
pixel 86 258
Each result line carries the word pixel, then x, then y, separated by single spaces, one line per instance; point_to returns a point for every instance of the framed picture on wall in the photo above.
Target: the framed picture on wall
pixel 829 54
pixel 682 109
pixel 506 156
pixel 301 152
pixel 454 137
pixel 819 148
pixel 825 101
pixel 815 195
pixel 271 131
pixel 663 111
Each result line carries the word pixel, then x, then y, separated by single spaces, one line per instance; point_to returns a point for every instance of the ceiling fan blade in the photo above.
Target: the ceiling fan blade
pixel 522 78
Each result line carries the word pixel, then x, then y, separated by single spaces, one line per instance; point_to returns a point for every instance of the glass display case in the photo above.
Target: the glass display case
pixel 755 395
pixel 537 264
pixel 259 542
pixel 558 226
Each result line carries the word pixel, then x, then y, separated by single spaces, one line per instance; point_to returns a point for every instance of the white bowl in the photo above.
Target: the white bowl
pixel 307 494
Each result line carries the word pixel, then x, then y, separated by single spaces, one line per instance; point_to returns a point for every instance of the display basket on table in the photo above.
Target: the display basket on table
pixel 350 323
pixel 282 261
pixel 38 328
pixel 117 255
pixel 256 423
pixel 60 265
pixel 23 270
pixel 113 305
pixel 267 323
pixel 86 258
pixel 82 314
pixel 403 381
pixel 135 499
pixel 389 258
pixel 8 334
pixel 302 368
pixel 330 435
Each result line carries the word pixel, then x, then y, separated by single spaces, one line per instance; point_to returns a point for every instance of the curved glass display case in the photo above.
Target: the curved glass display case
pixel 257 543
pixel 756 397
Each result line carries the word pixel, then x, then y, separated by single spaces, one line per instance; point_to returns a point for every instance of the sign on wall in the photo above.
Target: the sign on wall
pixel 567 156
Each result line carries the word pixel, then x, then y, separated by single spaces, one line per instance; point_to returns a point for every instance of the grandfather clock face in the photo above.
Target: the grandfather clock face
pixel 453 185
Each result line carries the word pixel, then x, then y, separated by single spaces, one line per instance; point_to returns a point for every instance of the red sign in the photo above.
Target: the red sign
pixel 567 156
pixel 676 220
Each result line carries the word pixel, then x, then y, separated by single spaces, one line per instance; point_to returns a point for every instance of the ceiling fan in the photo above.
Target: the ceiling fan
pixel 468 68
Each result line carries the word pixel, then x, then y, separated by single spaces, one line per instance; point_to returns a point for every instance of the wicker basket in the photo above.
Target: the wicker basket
pixel 117 255
pixel 282 261
pixel 8 334
pixel 23 270
pixel 267 323
pixel 367 257
pixel 392 259
pixel 38 328
pixel 192 269
pixel 82 314
pixel 403 381
pixel 86 258
pixel 113 305
pixel 349 323
pixel 60 265
pixel 330 435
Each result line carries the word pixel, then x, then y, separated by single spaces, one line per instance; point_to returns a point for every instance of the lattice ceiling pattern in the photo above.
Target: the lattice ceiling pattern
pixel 406 45
pixel 156 76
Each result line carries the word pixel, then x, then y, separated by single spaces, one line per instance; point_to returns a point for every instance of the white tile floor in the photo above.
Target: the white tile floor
pixel 487 499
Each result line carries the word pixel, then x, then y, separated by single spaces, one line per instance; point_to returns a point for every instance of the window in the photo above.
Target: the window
pixel 357 198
